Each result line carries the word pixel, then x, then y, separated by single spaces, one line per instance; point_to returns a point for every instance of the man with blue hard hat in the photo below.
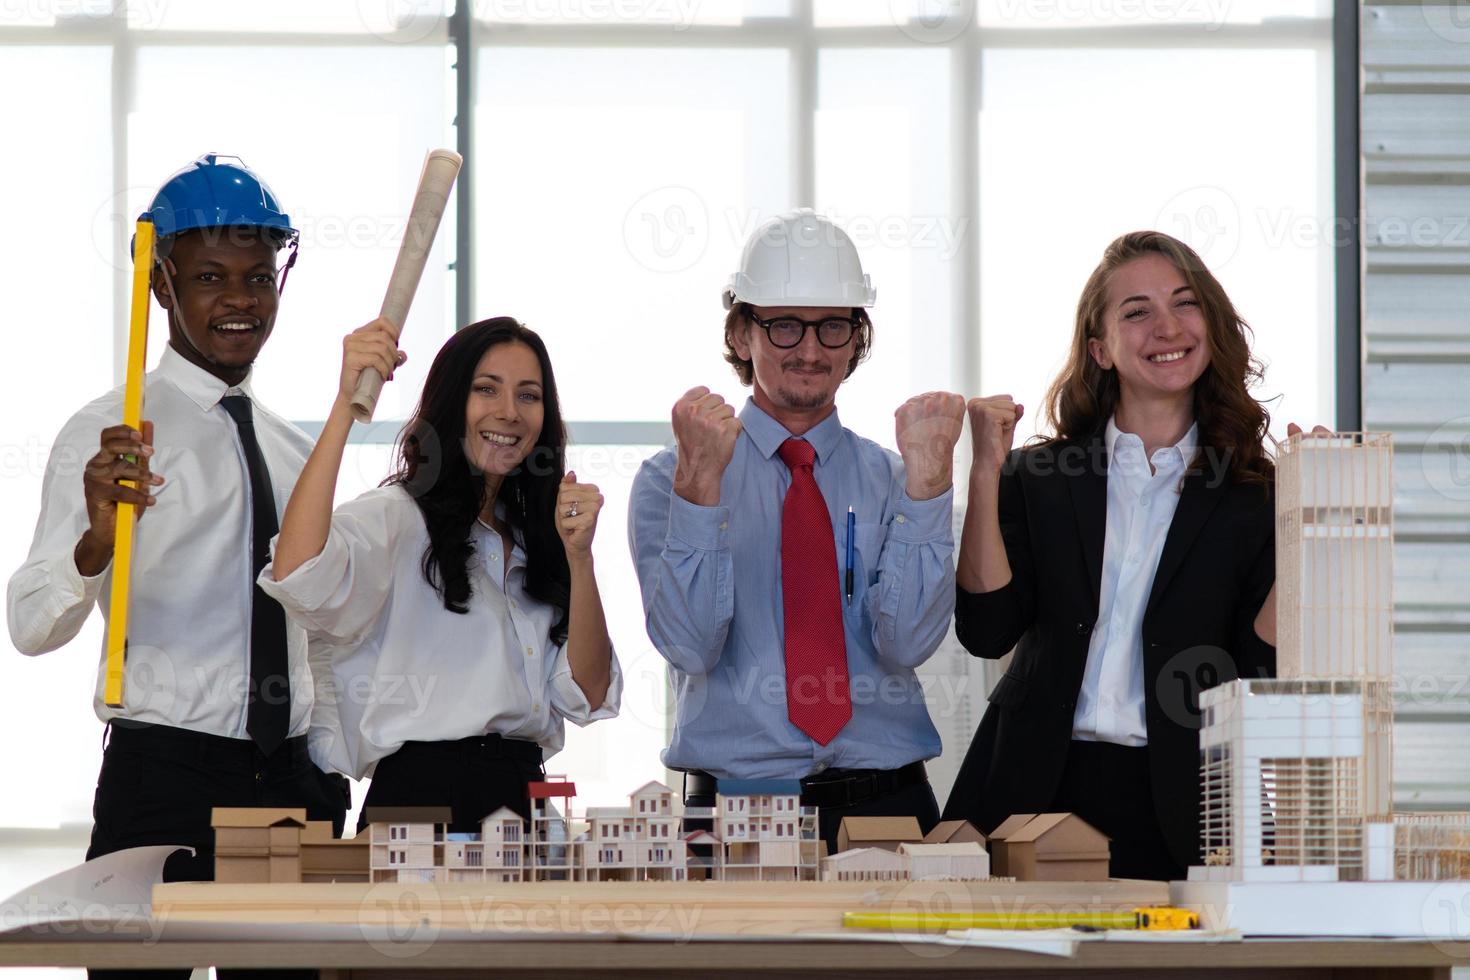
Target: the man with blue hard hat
pixel 218 694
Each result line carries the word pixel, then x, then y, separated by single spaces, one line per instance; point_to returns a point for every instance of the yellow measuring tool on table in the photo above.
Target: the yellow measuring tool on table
pixel 1153 918
pixel 127 514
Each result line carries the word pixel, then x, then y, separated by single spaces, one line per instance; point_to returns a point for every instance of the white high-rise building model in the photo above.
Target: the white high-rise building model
pixel 1297 770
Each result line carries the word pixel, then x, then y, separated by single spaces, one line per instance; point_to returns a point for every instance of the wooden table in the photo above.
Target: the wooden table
pixel 1358 959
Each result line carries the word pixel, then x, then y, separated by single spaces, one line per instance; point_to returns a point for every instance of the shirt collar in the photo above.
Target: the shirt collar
pixel 203 388
pixel 768 434
pixel 1184 449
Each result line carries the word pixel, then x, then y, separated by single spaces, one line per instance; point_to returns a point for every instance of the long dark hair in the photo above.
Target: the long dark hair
pixel 451 492
pixel 1084 396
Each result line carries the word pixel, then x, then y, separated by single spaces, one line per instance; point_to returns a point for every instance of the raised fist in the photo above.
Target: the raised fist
pixel 577 507
pixel 705 428
pixel 927 427
pixel 993 430
pixel 369 346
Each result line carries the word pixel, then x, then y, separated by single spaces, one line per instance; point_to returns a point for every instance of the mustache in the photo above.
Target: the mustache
pixel 798 364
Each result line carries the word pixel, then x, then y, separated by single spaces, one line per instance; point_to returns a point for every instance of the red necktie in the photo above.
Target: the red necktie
pixel 817 695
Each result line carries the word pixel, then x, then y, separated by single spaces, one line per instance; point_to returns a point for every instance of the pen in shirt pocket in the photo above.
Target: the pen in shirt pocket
pixel 851 533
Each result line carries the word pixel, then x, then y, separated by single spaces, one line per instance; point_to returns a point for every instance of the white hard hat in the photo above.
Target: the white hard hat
pixel 799 258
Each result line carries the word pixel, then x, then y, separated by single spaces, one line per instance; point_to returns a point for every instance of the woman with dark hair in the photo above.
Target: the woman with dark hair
pixel 1129 560
pixel 457 601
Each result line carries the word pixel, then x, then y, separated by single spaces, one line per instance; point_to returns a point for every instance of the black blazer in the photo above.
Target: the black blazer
pixel 1216 569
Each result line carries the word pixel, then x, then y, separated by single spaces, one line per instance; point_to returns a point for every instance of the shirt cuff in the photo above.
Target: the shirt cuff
pixel 572 703
pixel 78 587
pixel 701 528
pixel 924 521
pixel 309 585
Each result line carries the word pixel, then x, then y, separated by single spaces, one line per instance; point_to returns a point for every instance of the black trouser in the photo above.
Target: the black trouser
pixel 839 793
pixel 159 784
pixel 1108 785
pixel 473 776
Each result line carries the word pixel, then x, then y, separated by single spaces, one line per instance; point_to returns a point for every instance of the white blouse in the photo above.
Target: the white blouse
pixel 404 668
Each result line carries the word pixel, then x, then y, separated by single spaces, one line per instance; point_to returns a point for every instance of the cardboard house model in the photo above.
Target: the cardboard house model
pixel 882 832
pixel 257 844
pixel 272 845
pixel 955 832
pixel 1048 847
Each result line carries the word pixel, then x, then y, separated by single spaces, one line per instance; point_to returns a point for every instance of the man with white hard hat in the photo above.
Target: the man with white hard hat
pixel 795 574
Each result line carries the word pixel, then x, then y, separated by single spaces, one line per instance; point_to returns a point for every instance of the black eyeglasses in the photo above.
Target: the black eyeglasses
pixel 788 331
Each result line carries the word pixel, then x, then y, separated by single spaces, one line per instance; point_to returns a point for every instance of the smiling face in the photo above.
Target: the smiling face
pixel 504 410
pixel 804 378
pixel 226 288
pixel 1154 333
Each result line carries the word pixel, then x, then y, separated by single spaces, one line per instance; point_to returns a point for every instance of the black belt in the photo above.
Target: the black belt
pixel 830 788
pixel 491 746
pixel 216 750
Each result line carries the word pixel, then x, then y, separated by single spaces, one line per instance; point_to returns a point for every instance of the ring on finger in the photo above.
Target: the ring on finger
pixel 572 510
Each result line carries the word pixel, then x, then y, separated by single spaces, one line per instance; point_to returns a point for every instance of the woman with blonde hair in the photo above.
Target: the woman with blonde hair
pixel 1128 558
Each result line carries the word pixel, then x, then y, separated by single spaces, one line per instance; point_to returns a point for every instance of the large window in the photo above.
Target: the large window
pixel 980 155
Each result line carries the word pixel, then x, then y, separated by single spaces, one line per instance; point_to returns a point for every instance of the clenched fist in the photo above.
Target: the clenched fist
pixel 992 430
pixel 705 428
pixel 577 506
pixel 369 346
pixel 928 426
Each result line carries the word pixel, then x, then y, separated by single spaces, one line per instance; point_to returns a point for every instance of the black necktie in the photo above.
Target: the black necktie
pixel 268 717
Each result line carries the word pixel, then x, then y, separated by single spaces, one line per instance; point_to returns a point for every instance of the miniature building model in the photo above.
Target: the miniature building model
pixel 272 845
pixel 865 864
pixel 967 861
pixel 765 833
pixel 407 843
pixel 885 832
pixel 955 832
pixel 257 844
pixel 326 859
pixel 1048 847
pixel 641 842
pixel 760 833
pixel 1295 769
pixel 551 857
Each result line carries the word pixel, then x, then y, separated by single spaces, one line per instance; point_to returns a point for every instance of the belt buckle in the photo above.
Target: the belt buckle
pixel 862 788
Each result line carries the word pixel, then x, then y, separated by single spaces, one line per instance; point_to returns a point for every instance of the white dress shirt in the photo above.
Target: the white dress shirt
pixel 188 655
pixel 1141 507
pixel 404 668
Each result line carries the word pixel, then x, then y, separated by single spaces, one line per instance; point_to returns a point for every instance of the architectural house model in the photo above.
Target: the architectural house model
pixel 883 832
pixel 1049 847
pixel 278 844
pixel 1297 771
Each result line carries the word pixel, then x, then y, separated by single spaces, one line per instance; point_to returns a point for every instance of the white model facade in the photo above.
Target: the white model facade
pixel 1298 771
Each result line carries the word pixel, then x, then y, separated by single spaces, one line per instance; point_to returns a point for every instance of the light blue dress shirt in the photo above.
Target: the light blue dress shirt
pixel 711 580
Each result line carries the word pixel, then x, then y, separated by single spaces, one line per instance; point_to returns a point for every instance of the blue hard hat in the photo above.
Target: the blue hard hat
pixel 217 191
